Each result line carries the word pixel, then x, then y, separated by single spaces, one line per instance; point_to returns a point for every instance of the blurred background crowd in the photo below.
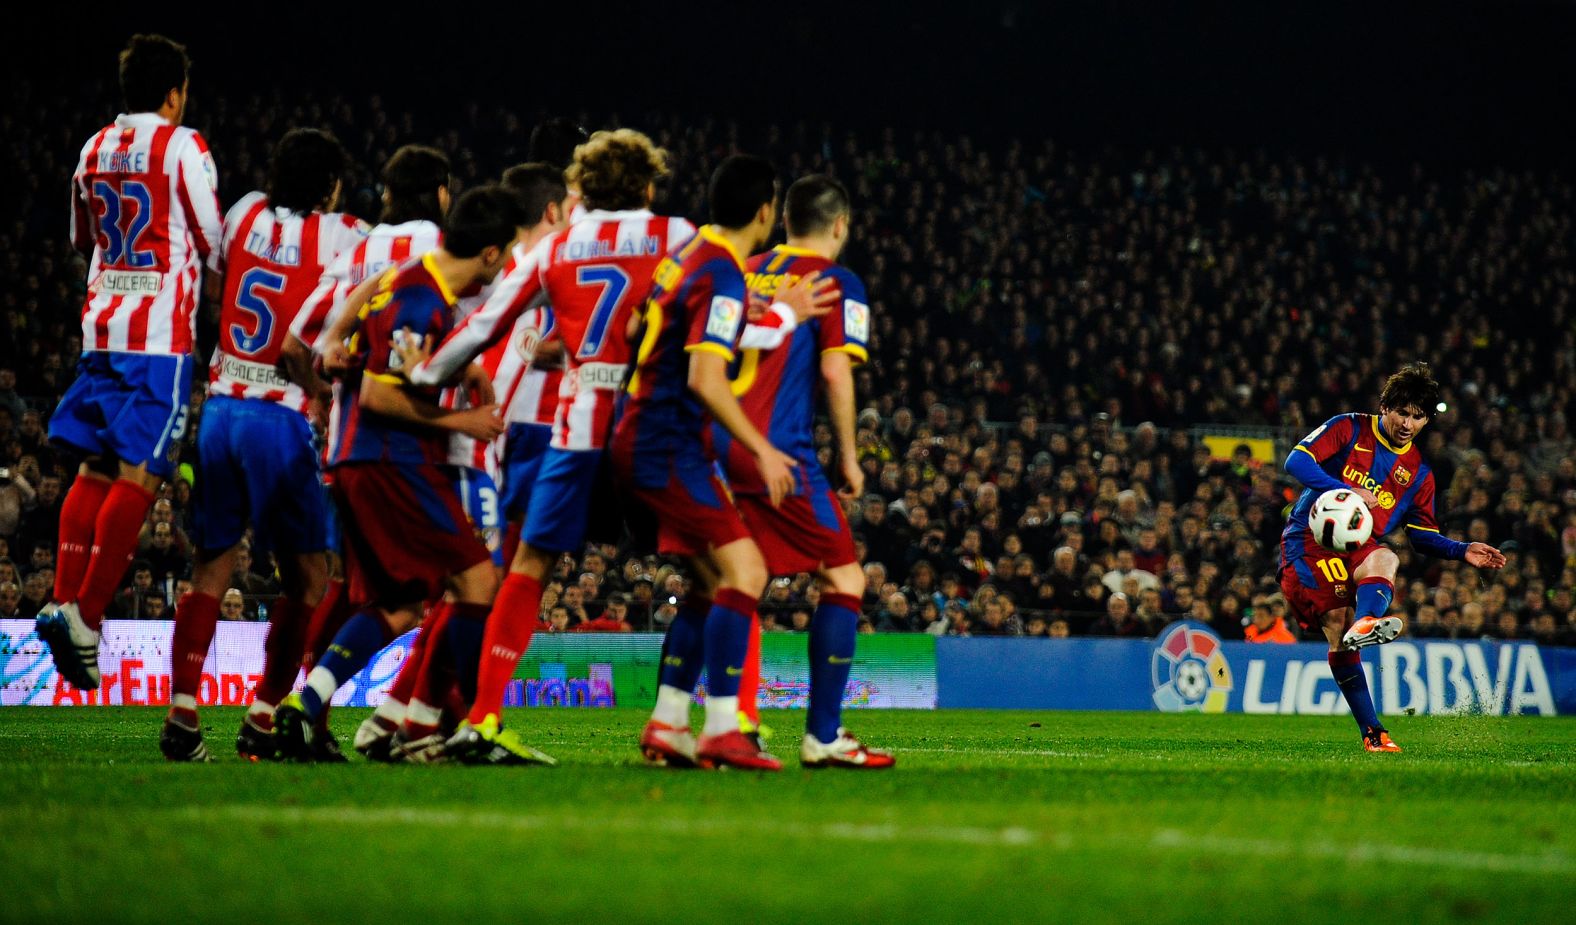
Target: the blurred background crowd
pixel 1056 332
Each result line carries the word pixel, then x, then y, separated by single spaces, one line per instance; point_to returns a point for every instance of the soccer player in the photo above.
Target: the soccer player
pixel 1347 594
pixel 407 538
pixel 777 383
pixel 415 200
pixel 593 275
pixel 256 463
pixel 660 456
pixel 529 397
pixel 145 210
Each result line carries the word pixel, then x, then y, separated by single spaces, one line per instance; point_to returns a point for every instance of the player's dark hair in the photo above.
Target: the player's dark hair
pixel 554 141
pixel 485 216
pixel 1411 385
pixel 614 169
pixel 150 67
pixel 739 187
pixel 412 177
pixel 303 169
pixel 813 203
pixel 537 185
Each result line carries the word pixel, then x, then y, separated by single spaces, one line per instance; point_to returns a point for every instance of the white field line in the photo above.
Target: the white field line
pixel 1163 840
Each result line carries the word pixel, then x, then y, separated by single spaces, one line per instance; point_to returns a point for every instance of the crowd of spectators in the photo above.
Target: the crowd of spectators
pixel 1054 330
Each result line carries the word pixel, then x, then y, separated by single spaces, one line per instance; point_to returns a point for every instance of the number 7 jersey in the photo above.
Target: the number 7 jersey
pixel 595 275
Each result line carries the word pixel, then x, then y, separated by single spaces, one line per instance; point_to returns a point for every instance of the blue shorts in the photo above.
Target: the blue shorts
pixel 132 406
pixel 524 447
pixel 256 466
pixel 479 497
pixel 561 501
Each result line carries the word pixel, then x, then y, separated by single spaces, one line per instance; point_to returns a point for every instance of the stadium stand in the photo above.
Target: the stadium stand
pixel 1086 364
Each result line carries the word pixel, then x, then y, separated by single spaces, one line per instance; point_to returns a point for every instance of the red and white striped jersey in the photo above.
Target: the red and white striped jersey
pixel 272 259
pixel 145 210
pixel 465 450
pixel 596 275
pixel 526 394
pixel 384 247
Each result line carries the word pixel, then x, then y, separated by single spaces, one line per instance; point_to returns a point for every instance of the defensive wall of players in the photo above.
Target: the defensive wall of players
pixel 1187 668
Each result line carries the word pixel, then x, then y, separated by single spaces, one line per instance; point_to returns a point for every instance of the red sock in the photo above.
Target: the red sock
pixel 327 618
pixel 78 514
pixel 114 541
pixel 196 618
pixel 750 681
pixel 507 637
pixel 405 682
pixel 434 671
pixel 287 621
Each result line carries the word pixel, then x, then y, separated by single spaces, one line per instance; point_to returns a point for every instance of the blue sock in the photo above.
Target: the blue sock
pixel 466 631
pixel 1373 597
pixel 833 631
pixel 363 636
pixel 684 646
pixel 1347 667
pixel 727 641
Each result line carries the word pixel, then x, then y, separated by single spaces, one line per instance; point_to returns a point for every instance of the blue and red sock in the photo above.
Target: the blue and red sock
pixel 1374 596
pixel 834 629
pixel 1347 667
pixel 363 636
pixel 684 645
pixel 727 641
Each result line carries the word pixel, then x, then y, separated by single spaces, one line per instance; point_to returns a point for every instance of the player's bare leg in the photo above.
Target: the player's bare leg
pixel 1346 667
pixel 1375 588
pixel 99 524
pixel 834 629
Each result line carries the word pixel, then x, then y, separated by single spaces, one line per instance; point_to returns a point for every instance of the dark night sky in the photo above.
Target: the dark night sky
pixel 1472 82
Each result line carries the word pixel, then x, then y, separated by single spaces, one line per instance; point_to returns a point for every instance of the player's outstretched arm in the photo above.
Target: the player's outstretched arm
pixel 385 395
pixel 837 371
pixel 708 379
pixel 296 358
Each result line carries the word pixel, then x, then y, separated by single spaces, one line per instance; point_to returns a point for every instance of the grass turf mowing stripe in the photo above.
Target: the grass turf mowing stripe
pixel 1165 840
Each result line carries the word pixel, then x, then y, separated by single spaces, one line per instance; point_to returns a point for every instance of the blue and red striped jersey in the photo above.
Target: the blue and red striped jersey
pixel 412 296
pixel 1353 449
pixel 697 303
pixel 777 388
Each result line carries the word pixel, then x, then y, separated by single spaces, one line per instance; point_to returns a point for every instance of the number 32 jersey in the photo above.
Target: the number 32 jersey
pixel 272 259
pixel 144 205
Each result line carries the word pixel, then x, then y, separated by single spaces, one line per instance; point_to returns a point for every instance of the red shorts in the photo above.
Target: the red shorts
pixel 1322 581
pixel 804 534
pixel 694 512
pixel 405 532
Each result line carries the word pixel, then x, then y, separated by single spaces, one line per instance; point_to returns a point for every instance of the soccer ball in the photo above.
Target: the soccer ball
pixel 1340 521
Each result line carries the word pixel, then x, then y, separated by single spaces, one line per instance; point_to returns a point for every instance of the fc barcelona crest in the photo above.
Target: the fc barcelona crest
pixel 1402 476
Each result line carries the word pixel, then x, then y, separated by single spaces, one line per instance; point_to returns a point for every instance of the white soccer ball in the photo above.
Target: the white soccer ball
pixel 1340 521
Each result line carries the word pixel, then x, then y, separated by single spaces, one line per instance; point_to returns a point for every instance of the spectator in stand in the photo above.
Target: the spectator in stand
pixel 162 555
pixel 11 601
pixel 1119 620
pixel 895 616
pixel 35 592
pixel 155 607
pixel 233 605
pixel 614 618
pixel 17 496
pixel 1269 622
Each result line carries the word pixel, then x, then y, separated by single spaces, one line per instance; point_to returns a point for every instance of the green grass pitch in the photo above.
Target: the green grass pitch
pixel 989 817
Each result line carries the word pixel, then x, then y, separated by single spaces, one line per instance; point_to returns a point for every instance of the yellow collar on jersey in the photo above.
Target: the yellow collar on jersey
pixel 443 284
pixel 795 251
pixel 1379 434
pixel 709 232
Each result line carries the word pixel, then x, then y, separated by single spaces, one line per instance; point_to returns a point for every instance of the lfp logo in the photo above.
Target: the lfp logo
pixel 1189 671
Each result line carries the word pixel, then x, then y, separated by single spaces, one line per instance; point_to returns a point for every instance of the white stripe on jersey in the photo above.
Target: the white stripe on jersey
pixel 243 377
pixel 384 247
pixel 467 451
pixel 145 270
